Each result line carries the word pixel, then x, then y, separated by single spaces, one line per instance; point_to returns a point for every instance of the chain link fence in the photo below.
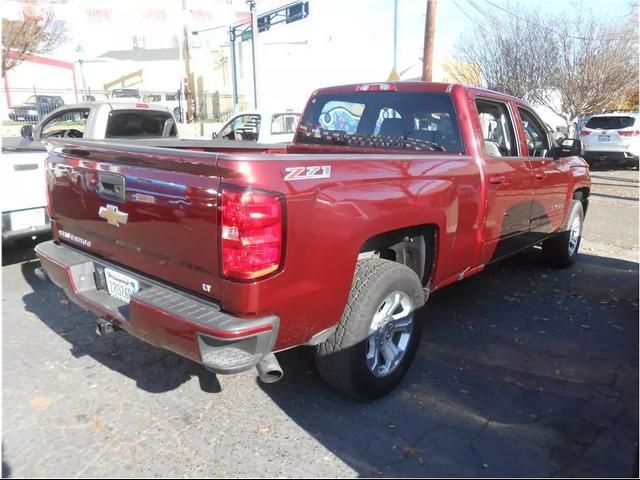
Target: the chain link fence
pixel 31 105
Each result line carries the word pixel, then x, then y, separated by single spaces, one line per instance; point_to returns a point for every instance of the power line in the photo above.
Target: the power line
pixel 464 12
pixel 551 30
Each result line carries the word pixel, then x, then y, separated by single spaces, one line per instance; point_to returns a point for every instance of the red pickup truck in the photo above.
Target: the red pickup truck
pixel 227 253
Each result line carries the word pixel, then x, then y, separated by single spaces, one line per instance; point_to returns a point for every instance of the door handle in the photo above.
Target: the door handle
pixel 497 179
pixel 541 175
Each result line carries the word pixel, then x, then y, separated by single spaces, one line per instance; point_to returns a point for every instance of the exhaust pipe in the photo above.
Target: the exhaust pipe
pixel 104 327
pixel 40 273
pixel 269 370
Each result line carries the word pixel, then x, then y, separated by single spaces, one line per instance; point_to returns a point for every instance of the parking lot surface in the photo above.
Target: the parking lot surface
pixel 522 370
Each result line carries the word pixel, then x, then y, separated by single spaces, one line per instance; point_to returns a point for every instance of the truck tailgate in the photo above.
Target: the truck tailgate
pixel 145 208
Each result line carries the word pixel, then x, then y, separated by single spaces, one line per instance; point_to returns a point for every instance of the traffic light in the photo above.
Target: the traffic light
pixel 297 11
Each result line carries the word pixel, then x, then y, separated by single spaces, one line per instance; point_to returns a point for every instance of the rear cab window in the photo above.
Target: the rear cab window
pixel 140 124
pixel 418 121
pixel 611 122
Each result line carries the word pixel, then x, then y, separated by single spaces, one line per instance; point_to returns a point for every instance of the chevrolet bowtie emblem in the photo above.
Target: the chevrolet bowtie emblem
pixel 113 217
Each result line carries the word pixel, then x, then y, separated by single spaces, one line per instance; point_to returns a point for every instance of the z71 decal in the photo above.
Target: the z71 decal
pixel 307 173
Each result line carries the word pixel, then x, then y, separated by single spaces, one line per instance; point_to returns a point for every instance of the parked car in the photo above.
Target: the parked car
pixel 612 138
pixel 225 255
pixel 172 101
pixel 260 126
pixel 125 95
pixel 35 108
pixel 22 200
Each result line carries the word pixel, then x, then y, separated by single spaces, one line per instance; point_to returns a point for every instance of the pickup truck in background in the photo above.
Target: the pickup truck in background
pixel 263 126
pixel 388 192
pixel 23 200
pixel 35 108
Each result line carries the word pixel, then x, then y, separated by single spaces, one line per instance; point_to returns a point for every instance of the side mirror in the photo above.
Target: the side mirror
pixel 570 147
pixel 214 135
pixel 558 137
pixel 27 131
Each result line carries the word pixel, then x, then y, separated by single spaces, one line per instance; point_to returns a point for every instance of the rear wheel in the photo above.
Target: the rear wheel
pixel 377 336
pixel 561 250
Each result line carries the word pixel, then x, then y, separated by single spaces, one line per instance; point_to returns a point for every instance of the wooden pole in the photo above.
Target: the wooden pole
pixel 429 31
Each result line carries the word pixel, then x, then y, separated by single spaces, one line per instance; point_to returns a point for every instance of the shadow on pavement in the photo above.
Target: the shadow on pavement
pixel 153 369
pixel 522 370
pixel 16 251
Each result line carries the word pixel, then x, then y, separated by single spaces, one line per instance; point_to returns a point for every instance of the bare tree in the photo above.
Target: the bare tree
pixel 597 66
pixel 21 38
pixel 573 64
pixel 511 53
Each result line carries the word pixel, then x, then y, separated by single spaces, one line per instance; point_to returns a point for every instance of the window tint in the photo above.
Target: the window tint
pixel 282 123
pixel 610 122
pixel 497 129
pixel 537 138
pixel 171 97
pixel 393 120
pixel 141 124
pixel 243 127
pixel 70 123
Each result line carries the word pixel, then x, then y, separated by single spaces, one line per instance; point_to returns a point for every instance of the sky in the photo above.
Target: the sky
pixel 342 41
pixel 356 22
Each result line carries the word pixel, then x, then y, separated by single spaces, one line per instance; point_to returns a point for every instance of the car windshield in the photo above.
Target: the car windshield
pixel 140 124
pixel 407 121
pixel 610 122
pixel 31 100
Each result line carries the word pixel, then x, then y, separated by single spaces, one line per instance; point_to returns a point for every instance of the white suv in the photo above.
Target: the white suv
pixel 612 138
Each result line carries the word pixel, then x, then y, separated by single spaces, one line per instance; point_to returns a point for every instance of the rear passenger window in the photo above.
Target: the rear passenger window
pixel 537 139
pixel 497 129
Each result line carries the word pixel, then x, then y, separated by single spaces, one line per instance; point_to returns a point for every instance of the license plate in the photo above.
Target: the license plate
pixel 120 286
pixel 27 219
pixel 604 138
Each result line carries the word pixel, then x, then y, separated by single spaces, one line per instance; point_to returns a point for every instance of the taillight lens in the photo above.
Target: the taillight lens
pixel 584 133
pixel 251 230
pixel 629 133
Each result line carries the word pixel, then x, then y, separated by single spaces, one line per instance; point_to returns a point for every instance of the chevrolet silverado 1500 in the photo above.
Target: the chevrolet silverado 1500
pixel 226 254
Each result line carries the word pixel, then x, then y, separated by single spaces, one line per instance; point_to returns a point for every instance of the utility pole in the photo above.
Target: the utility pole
pixel 234 75
pixel 187 67
pixel 254 37
pixel 393 76
pixel 429 30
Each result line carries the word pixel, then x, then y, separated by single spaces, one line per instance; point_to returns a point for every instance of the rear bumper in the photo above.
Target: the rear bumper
pixel 9 233
pixel 612 157
pixel 161 315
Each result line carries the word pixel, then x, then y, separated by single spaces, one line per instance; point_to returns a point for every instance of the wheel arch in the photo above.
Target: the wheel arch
pixel 413 246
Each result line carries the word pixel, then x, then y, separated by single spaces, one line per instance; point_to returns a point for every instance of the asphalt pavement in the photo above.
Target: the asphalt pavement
pixel 522 371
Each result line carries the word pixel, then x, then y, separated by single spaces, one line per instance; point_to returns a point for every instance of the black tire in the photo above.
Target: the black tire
pixel 342 359
pixel 556 250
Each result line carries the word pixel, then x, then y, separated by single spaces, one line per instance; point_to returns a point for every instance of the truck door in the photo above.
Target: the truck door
pixel 509 181
pixel 551 176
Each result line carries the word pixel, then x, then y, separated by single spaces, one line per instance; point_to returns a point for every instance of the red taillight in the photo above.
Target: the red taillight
pixel 376 87
pixel 584 133
pixel 251 231
pixel 629 133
